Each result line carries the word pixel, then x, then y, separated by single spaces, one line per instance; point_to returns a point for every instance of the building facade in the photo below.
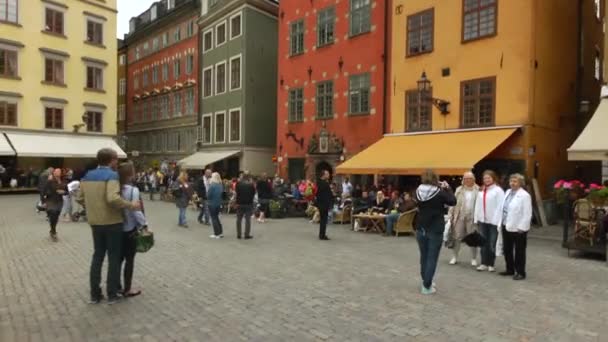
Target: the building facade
pixel 331 88
pixel 502 88
pixel 238 92
pixel 162 82
pixel 121 98
pixel 57 80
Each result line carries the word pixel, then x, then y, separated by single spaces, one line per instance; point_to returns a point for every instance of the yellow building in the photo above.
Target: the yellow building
pixel 511 73
pixel 57 80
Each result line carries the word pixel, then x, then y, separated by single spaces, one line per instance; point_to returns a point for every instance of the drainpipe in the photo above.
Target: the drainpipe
pixel 387 12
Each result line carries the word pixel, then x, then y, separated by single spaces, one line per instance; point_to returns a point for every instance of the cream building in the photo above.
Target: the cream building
pixel 57 81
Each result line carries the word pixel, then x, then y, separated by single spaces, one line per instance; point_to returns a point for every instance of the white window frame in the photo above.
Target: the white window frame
pixel 54 8
pixel 215 127
pixel 240 14
pixel 210 116
pixel 225 77
pixel 225 33
pixel 212 68
pixel 211 30
pixel 240 72
pixel 122 59
pixel 230 111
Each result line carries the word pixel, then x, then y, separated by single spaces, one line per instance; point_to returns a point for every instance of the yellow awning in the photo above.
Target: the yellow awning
pixel 448 153
pixel 592 144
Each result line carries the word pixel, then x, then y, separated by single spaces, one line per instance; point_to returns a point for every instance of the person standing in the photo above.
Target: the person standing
pixel 324 201
pixel 100 194
pixel 214 200
pixel 264 196
pixel 347 188
pixel 134 220
pixel 201 192
pixel 152 181
pixel 42 180
pixel 488 215
pixel 54 194
pixel 432 197
pixel 182 193
pixel 245 193
pixel 516 218
pixel 461 216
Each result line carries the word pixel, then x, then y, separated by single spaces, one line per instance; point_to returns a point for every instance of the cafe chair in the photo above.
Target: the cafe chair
pixel 343 216
pixel 405 224
pixel 585 220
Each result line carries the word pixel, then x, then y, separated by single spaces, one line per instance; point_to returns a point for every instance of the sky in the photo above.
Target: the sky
pixel 128 9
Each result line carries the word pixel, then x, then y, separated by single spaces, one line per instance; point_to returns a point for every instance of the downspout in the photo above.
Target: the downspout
pixel 386 60
pixel 579 57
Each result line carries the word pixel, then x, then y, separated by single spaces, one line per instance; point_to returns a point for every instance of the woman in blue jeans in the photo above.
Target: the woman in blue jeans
pixel 432 197
pixel 183 194
pixel 488 216
pixel 214 202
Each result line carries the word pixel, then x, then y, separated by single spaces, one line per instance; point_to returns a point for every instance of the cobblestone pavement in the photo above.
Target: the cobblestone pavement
pixel 284 286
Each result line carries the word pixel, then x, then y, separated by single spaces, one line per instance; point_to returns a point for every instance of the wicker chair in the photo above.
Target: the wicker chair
pixel 585 220
pixel 405 224
pixel 344 215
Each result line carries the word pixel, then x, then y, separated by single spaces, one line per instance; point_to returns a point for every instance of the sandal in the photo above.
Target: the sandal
pixel 133 294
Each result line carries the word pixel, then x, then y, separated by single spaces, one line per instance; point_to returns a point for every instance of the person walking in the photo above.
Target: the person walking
pixel 347 188
pixel 264 191
pixel 324 201
pixel 100 194
pixel 245 193
pixel 152 183
pixel 516 219
pixel 214 200
pixel 134 220
pixel 43 179
pixel 182 193
pixel 488 215
pixel 54 194
pixel 201 192
pixel 461 216
pixel 432 197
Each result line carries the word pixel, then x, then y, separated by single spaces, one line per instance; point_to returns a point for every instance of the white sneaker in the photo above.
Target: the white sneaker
pixel 221 236
pixel 474 262
pixel 426 291
pixel 482 268
pixel 491 269
pixel 453 261
pixel 213 236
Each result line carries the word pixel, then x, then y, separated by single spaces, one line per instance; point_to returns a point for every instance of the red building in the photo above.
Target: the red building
pixel 162 82
pixel 331 96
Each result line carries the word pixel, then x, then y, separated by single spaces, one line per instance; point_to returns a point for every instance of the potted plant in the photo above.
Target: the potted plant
pixel 275 209
pixel 597 194
pixel 568 190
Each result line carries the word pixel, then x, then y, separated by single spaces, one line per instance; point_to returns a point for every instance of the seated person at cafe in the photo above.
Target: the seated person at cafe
pixel 380 205
pixel 395 207
pixel 362 204
pixel 408 202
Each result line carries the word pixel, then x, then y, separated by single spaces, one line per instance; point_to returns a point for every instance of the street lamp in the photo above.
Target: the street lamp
pixel 424 87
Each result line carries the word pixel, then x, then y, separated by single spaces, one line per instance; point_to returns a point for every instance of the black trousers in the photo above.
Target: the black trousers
pixel 323 212
pixel 53 216
pixel 106 239
pixel 128 257
pixel 515 242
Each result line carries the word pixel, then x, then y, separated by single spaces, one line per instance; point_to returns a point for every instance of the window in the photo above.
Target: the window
pixel 176 68
pixel 9 10
pixel 155 44
pixel 296 105
pixel 220 34
pixel 478 102
pixel 53 71
pixel 165 39
pixel 53 118
pixel 122 86
pixel 326 21
pixel 177 35
pixel 177 104
pixel 235 73
pixel 220 127
pixel 235 26
pixel 189 101
pixel 359 94
pixel 420 33
pixel 137 53
pixel 208 41
pixel 418 110
pixel 94 78
pixel 325 100
pixel 136 82
pixel 235 125
pixel 165 71
pixel 94 120
pixel 122 60
pixel 213 2
pixel 220 78
pixel 360 17
pixel 598 65
pixel 145 79
pixel 598 8
pixel 206 138
pixel 189 64
pixel 8 63
pixel 164 106
pixel 479 19
pixel 95 32
pixel 296 37
pixel 54 21
pixel 190 29
pixel 121 112
pixel 155 74
pixel 208 82
pixel 8 114
pixel 146 46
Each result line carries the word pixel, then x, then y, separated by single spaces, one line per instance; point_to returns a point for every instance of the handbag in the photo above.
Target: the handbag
pixel 474 239
pixel 144 240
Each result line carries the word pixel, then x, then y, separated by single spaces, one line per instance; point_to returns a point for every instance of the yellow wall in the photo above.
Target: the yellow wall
pixel 31 63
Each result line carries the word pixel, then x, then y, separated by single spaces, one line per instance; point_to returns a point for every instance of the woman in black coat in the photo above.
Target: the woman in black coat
pixel 54 190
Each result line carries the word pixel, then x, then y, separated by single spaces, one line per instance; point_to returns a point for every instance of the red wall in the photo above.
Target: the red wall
pixel 360 54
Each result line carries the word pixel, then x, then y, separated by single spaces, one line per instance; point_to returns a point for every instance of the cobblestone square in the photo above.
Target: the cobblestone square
pixel 284 285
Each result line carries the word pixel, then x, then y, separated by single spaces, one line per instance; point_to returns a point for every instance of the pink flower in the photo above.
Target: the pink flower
pixel 594 186
pixel 587 191
pixel 559 184
pixel 567 185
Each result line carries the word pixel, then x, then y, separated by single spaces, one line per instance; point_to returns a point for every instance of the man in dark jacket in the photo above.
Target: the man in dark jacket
pixel 324 202
pixel 201 192
pixel 245 193
pixel 264 194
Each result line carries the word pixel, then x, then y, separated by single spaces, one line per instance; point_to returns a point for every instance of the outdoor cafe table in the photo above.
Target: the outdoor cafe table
pixel 372 222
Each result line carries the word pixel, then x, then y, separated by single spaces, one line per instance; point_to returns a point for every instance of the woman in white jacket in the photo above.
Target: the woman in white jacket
pixel 516 218
pixel 461 216
pixel 488 215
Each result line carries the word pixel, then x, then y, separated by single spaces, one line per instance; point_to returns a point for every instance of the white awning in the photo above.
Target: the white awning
pixel 200 160
pixel 592 144
pixel 5 147
pixel 33 144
